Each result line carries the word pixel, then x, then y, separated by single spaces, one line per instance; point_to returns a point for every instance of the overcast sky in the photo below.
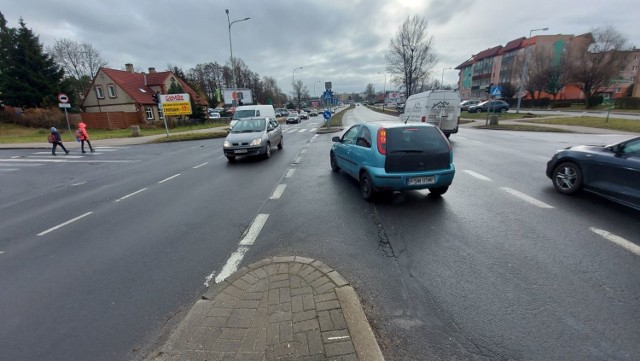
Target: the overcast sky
pixel 342 41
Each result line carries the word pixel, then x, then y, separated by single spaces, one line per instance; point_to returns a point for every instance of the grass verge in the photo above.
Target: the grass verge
pixel 189 136
pixel 627 125
pixel 522 128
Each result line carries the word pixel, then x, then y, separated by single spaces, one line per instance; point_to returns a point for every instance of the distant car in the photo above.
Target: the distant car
pixel 251 137
pixel 313 113
pixel 292 118
pixel 394 156
pixel 493 106
pixel 611 171
pixel 304 115
pixel 214 115
pixel 464 105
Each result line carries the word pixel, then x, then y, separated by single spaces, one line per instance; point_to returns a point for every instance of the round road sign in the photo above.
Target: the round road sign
pixel 63 98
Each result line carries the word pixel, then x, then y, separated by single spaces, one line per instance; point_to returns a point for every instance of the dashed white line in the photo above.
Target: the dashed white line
pixel 477 175
pixel 302 130
pixel 8 169
pixel 252 233
pixel 63 224
pixel 526 198
pixel 629 246
pixel 290 173
pixel 131 194
pixel 78 184
pixel 232 264
pixel 200 165
pixel 277 193
pixel 170 178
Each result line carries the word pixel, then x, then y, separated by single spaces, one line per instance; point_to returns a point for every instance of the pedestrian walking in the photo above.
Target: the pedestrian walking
pixel 82 134
pixel 56 140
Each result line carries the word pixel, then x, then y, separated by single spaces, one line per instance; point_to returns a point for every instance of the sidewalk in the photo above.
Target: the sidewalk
pixel 281 308
pixel 571 128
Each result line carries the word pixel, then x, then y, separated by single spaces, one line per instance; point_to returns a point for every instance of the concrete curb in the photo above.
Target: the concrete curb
pixel 292 308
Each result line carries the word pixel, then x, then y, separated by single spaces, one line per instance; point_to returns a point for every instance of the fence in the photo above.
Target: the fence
pixel 108 120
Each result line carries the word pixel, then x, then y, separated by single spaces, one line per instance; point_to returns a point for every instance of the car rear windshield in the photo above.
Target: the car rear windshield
pixel 415 139
pixel 247 113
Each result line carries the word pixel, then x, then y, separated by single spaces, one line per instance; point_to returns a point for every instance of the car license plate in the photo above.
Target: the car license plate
pixel 415 181
pixel 240 151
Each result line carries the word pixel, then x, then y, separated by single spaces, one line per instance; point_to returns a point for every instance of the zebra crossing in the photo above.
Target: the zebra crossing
pixel 298 128
pixel 40 158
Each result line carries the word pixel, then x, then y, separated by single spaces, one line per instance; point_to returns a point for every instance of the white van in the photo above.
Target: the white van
pixel 252 111
pixel 437 107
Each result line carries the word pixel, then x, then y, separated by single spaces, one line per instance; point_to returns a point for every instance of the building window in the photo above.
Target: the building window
pixel 112 90
pixel 618 90
pixel 634 68
pixel 149 112
pixel 99 92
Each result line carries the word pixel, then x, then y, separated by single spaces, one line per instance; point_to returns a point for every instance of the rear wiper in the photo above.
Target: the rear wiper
pixel 407 151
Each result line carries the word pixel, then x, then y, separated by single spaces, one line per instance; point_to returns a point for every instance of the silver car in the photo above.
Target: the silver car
pixel 252 137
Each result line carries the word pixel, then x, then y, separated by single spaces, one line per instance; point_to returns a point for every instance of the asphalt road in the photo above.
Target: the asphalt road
pixel 500 267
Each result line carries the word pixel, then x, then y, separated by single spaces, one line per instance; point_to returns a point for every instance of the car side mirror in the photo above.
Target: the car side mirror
pixel 336 139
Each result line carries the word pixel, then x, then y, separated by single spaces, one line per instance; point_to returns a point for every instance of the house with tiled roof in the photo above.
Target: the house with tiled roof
pixel 121 98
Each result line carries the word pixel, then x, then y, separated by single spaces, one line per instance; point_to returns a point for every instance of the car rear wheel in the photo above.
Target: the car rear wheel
pixel 334 163
pixel 280 144
pixel 438 191
pixel 366 187
pixel 567 178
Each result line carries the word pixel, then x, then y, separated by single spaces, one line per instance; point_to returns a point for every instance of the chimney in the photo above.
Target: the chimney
pixel 129 67
pixel 152 70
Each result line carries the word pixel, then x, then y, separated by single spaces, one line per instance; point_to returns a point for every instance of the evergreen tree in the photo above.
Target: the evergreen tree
pixel 28 76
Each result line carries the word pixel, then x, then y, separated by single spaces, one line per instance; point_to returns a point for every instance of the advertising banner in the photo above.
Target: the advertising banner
pixel 241 95
pixel 176 104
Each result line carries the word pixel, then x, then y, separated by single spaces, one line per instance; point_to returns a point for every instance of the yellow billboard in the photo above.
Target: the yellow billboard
pixel 176 104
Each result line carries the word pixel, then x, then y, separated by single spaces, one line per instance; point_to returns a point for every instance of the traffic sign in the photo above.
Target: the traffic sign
pixel 64 105
pixel 496 90
pixel 326 114
pixel 63 98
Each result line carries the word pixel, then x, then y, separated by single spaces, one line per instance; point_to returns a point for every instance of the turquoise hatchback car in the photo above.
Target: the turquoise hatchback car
pixel 394 156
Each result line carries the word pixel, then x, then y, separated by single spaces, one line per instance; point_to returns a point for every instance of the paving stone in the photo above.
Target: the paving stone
pixel 285 295
pixel 274 297
pixel 296 304
pixel 324 318
pixel 307 325
pixel 284 268
pixel 228 345
pixel 350 357
pixel 338 319
pixel 219 312
pixel 307 302
pixel 337 278
pixel 250 356
pixel 251 304
pixel 241 284
pixel 250 341
pixel 280 350
pixel 250 278
pixel 273 334
pixel 260 273
pixel 279 277
pixel 301 291
pixel 339 348
pixel 295 281
pixel 312 276
pixel 322 267
pixel 302 346
pixel 286 331
pixel 320 281
pixel 279 284
pixel 294 268
pixel 260 317
pixel 281 307
pixel 326 297
pixel 257 296
pixel 272 269
pixel 305 271
pixel 224 300
pixel 303 316
pixel 233 333
pixel 283 259
pixel 327 305
pixel 279 317
pixel 260 264
pixel 304 260
pixel 261 286
pixel 314 339
pixel 241 318
pixel 329 286
pixel 215 322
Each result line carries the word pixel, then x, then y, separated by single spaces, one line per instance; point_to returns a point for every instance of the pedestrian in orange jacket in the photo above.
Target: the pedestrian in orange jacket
pixel 82 134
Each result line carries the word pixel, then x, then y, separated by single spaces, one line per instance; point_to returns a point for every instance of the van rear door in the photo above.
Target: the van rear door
pixel 444 111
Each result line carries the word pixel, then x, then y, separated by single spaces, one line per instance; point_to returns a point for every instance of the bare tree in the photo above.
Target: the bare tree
pixel 411 55
pixel 80 61
pixel 370 92
pixel 299 92
pixel 597 64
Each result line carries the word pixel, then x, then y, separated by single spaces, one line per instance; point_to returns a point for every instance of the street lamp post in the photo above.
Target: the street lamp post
pixel 384 91
pixel 233 75
pixel 442 79
pixel 293 81
pixel 314 88
pixel 524 69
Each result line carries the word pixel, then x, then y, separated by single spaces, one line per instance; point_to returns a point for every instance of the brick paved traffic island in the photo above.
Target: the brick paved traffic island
pixel 281 308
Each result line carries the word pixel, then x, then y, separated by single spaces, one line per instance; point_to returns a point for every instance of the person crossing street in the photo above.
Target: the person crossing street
pixel 82 134
pixel 56 140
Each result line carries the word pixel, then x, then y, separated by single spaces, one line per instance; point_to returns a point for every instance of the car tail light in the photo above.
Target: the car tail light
pixel 424 119
pixel 382 141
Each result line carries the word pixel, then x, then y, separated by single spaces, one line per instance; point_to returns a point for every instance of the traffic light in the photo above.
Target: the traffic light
pixel 156 97
pixel 488 88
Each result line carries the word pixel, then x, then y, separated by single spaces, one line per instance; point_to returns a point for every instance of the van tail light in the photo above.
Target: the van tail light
pixel 424 119
pixel 382 141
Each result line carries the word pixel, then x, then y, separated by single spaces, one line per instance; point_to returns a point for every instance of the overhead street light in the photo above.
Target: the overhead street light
pixel 314 88
pixel 524 69
pixel 384 91
pixel 233 75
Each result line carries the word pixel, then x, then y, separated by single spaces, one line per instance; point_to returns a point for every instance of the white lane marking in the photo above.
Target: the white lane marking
pixel 313 129
pixel 1 252
pixel 66 159
pixel 209 278
pixel 15 156
pixel 78 184
pixel 297 160
pixel 477 175
pixel 526 198
pixel 168 179
pixel 232 264
pixel 56 156
pixel 302 130
pixel 131 194
pixel 629 246
pixel 303 151
pixel 64 224
pixel 222 156
pixel 21 165
pixel 278 191
pixel 200 165
pixel 460 138
pixel 8 169
pixel 290 173
pixel 252 233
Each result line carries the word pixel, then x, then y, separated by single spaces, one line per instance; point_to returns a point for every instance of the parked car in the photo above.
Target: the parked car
pixel 214 115
pixel 611 171
pixel 390 156
pixel 464 105
pixel 252 137
pixel 493 106
pixel 292 118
